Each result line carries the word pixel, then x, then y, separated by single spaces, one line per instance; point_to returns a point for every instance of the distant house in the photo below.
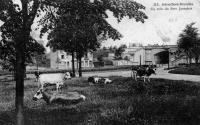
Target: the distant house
pixel 122 62
pixel 110 56
pixel 63 60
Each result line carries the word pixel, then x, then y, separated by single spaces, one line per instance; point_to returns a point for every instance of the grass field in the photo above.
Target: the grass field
pixel 124 102
pixel 191 70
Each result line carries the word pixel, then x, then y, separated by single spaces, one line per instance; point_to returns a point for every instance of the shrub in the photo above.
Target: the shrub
pixel 191 70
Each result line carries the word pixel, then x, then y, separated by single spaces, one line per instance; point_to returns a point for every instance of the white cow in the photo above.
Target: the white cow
pixel 55 78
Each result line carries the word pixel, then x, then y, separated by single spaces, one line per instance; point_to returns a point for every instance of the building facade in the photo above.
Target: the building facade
pixel 63 60
pixel 151 55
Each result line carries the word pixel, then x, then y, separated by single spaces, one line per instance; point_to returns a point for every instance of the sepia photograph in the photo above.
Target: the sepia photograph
pixel 99 62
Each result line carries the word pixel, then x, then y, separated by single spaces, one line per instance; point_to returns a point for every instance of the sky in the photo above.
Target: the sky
pixel 161 27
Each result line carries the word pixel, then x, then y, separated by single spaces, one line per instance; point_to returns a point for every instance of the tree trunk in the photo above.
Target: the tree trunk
pixel 14 72
pixel 80 67
pixel 25 72
pixel 190 60
pixel 20 70
pixel 21 39
pixel 77 64
pixel 73 66
pixel 196 60
pixel 20 64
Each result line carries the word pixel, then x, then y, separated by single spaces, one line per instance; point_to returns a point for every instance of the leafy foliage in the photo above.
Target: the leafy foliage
pixel 8 53
pixel 189 42
pixel 11 32
pixel 119 51
pixel 192 70
pixel 80 25
pixel 81 17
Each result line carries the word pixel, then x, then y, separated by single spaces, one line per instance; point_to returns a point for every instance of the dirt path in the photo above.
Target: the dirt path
pixel 160 74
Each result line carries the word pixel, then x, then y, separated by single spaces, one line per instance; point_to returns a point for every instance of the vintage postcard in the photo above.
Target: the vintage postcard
pixel 99 62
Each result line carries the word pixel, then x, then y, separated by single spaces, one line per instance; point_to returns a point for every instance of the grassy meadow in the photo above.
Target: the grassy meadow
pixel 124 102
pixel 190 70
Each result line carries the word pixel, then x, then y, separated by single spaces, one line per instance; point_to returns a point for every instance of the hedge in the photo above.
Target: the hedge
pixel 191 70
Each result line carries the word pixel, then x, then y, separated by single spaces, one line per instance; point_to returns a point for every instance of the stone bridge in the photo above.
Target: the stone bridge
pixel 148 55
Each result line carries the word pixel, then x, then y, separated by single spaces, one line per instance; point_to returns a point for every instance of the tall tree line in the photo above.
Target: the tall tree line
pixel 189 43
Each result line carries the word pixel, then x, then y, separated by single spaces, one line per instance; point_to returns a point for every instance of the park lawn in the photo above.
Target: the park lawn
pixel 124 102
pixel 191 70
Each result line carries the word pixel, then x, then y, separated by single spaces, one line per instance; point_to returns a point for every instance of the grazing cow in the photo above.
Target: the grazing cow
pixel 56 78
pixel 143 72
pixel 67 98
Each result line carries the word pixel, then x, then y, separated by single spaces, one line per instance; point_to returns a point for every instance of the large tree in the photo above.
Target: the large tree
pixel 84 21
pixel 17 19
pixel 189 42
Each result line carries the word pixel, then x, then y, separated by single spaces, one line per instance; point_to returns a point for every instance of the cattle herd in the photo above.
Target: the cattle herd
pixel 58 79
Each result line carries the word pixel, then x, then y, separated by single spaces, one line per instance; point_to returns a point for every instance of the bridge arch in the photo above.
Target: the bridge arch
pixel 161 57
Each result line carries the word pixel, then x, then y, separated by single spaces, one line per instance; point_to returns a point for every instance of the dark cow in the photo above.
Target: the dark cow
pixel 142 72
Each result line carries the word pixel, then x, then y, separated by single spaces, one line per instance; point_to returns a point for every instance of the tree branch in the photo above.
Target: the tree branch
pixel 33 12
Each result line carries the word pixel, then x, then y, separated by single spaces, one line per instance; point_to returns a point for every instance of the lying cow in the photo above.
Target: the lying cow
pixel 96 80
pixel 142 72
pixel 105 80
pixel 91 80
pixel 56 79
pixel 67 98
